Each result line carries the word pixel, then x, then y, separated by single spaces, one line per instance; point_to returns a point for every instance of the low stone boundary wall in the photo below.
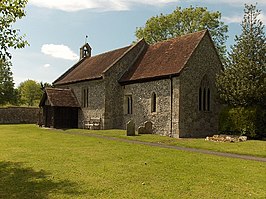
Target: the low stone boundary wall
pixel 19 115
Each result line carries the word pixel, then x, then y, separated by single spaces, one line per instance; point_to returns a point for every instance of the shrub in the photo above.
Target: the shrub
pixel 249 121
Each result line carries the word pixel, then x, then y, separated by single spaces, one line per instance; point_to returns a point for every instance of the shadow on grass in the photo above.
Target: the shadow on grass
pixel 17 181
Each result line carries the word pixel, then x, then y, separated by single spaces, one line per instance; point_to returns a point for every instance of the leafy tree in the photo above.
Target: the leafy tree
pixel 10 11
pixel 7 93
pixel 243 82
pixel 16 98
pixel 181 22
pixel 30 92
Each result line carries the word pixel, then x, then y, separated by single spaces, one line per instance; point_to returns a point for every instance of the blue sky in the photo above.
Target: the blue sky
pixel 56 29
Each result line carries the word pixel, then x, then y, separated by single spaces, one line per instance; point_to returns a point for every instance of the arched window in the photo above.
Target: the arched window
pixel 204 95
pixel 85 97
pixel 153 102
pixel 129 104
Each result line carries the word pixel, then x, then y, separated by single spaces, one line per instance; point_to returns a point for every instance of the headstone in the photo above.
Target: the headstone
pixel 130 128
pixel 148 127
pixel 141 130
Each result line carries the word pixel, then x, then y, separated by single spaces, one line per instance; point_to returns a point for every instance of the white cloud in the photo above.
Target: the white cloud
pixel 262 17
pixel 46 65
pixel 235 2
pixel 238 19
pixel 233 19
pixel 100 5
pixel 59 51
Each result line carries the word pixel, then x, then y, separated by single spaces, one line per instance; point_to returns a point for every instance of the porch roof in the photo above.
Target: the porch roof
pixel 59 97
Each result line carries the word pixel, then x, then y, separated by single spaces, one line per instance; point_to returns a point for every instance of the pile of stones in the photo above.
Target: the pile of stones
pixel 227 138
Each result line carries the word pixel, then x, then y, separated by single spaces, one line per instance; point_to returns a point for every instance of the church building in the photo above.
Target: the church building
pixel 170 83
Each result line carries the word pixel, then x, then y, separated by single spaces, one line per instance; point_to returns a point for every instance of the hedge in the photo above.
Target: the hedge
pixel 249 121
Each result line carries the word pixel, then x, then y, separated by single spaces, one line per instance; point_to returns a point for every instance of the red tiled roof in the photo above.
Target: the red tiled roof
pixel 164 58
pixel 60 97
pixel 159 60
pixel 91 67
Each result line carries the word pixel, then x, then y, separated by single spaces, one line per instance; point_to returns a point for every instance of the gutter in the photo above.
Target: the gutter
pixel 78 81
pixel 148 79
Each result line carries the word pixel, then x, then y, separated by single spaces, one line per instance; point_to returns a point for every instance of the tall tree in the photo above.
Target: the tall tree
pixel 243 82
pixel 184 21
pixel 10 11
pixel 30 92
pixel 7 93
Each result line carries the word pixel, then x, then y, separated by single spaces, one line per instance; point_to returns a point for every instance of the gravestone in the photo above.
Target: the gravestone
pixel 148 127
pixel 130 128
pixel 141 130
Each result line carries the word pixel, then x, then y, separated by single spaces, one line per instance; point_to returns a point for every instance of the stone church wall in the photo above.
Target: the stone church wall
pixel 96 100
pixel 114 91
pixel 175 106
pixel 193 122
pixel 141 97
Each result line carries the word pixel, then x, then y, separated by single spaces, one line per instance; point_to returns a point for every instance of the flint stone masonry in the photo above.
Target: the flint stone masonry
pixel 96 100
pixel 141 112
pixel 203 62
pixel 114 95
pixel 19 115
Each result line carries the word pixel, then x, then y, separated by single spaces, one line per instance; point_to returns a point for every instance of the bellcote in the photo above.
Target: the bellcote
pixel 85 51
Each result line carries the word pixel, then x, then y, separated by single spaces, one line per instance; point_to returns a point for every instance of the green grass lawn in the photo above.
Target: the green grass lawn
pixel 40 163
pixel 251 147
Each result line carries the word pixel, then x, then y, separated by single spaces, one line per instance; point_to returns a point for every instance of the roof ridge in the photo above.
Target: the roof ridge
pixel 64 97
pixel 57 88
pixel 158 60
pixel 87 59
pixel 180 36
pixel 69 70
pixel 119 58
pixel 128 46
pixel 96 66
pixel 193 50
